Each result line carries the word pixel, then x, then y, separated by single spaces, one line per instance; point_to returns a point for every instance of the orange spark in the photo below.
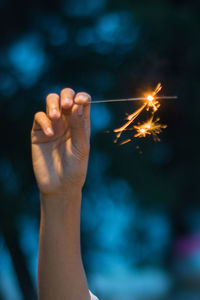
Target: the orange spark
pixel 149 128
pixel 157 89
pixel 131 118
pixel 125 142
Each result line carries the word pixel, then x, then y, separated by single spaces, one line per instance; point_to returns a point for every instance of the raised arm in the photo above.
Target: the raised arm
pixel 60 150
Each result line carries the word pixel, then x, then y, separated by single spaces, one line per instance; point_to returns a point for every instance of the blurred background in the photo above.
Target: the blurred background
pixel 141 212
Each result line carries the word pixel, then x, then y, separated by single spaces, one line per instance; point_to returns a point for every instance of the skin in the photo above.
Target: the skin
pixel 60 150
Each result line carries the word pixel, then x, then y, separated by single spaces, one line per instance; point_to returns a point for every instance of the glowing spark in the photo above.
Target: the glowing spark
pixel 131 118
pixel 125 142
pixel 150 98
pixel 157 89
pixel 152 101
pixel 149 128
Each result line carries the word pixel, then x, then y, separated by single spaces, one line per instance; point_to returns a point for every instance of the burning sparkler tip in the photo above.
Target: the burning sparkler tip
pixel 150 98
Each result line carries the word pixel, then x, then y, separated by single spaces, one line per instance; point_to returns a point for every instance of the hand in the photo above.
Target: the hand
pixel 60 142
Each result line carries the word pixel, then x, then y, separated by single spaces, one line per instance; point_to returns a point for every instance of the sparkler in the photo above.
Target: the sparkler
pixel 151 127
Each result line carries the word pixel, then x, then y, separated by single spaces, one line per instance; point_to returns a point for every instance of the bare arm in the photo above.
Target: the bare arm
pixel 60 149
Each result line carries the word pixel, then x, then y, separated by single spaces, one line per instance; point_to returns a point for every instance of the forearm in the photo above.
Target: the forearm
pixel 60 271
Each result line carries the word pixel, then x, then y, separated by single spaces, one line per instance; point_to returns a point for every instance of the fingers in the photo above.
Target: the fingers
pixel 56 104
pixel 52 106
pixel 76 109
pixel 42 122
pixel 67 99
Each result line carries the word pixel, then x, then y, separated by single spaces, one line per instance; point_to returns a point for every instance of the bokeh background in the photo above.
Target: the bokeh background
pixel 141 212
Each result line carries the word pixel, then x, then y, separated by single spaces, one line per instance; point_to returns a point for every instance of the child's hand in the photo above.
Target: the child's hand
pixel 60 142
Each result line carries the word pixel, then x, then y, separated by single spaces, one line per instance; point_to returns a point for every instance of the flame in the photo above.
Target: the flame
pixel 150 127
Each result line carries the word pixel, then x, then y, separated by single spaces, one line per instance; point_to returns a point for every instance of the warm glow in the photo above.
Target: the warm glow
pixel 142 130
pixel 149 128
pixel 150 98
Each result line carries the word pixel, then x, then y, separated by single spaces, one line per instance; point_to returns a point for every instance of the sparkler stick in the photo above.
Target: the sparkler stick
pixel 131 99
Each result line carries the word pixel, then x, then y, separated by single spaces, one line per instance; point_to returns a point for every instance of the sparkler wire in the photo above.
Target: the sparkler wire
pixel 150 127
pixel 130 99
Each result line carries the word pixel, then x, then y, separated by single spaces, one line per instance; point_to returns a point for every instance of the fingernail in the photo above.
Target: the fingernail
pixel 54 112
pixel 83 98
pixel 49 130
pixel 80 109
pixel 67 101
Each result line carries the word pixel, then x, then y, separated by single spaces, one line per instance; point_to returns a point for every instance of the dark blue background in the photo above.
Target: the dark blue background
pixel 141 214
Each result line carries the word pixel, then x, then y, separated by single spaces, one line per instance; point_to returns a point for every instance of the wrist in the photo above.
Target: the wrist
pixel 60 204
pixel 61 195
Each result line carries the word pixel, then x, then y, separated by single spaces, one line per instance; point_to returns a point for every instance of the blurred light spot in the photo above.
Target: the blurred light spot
pixel 28 60
pixel 116 28
pixel 111 30
pixel 84 8
pixel 120 190
pixel 100 117
pixel 153 235
pixel 109 261
pixel 128 284
pixel 113 214
pixel 107 210
pixel 116 217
